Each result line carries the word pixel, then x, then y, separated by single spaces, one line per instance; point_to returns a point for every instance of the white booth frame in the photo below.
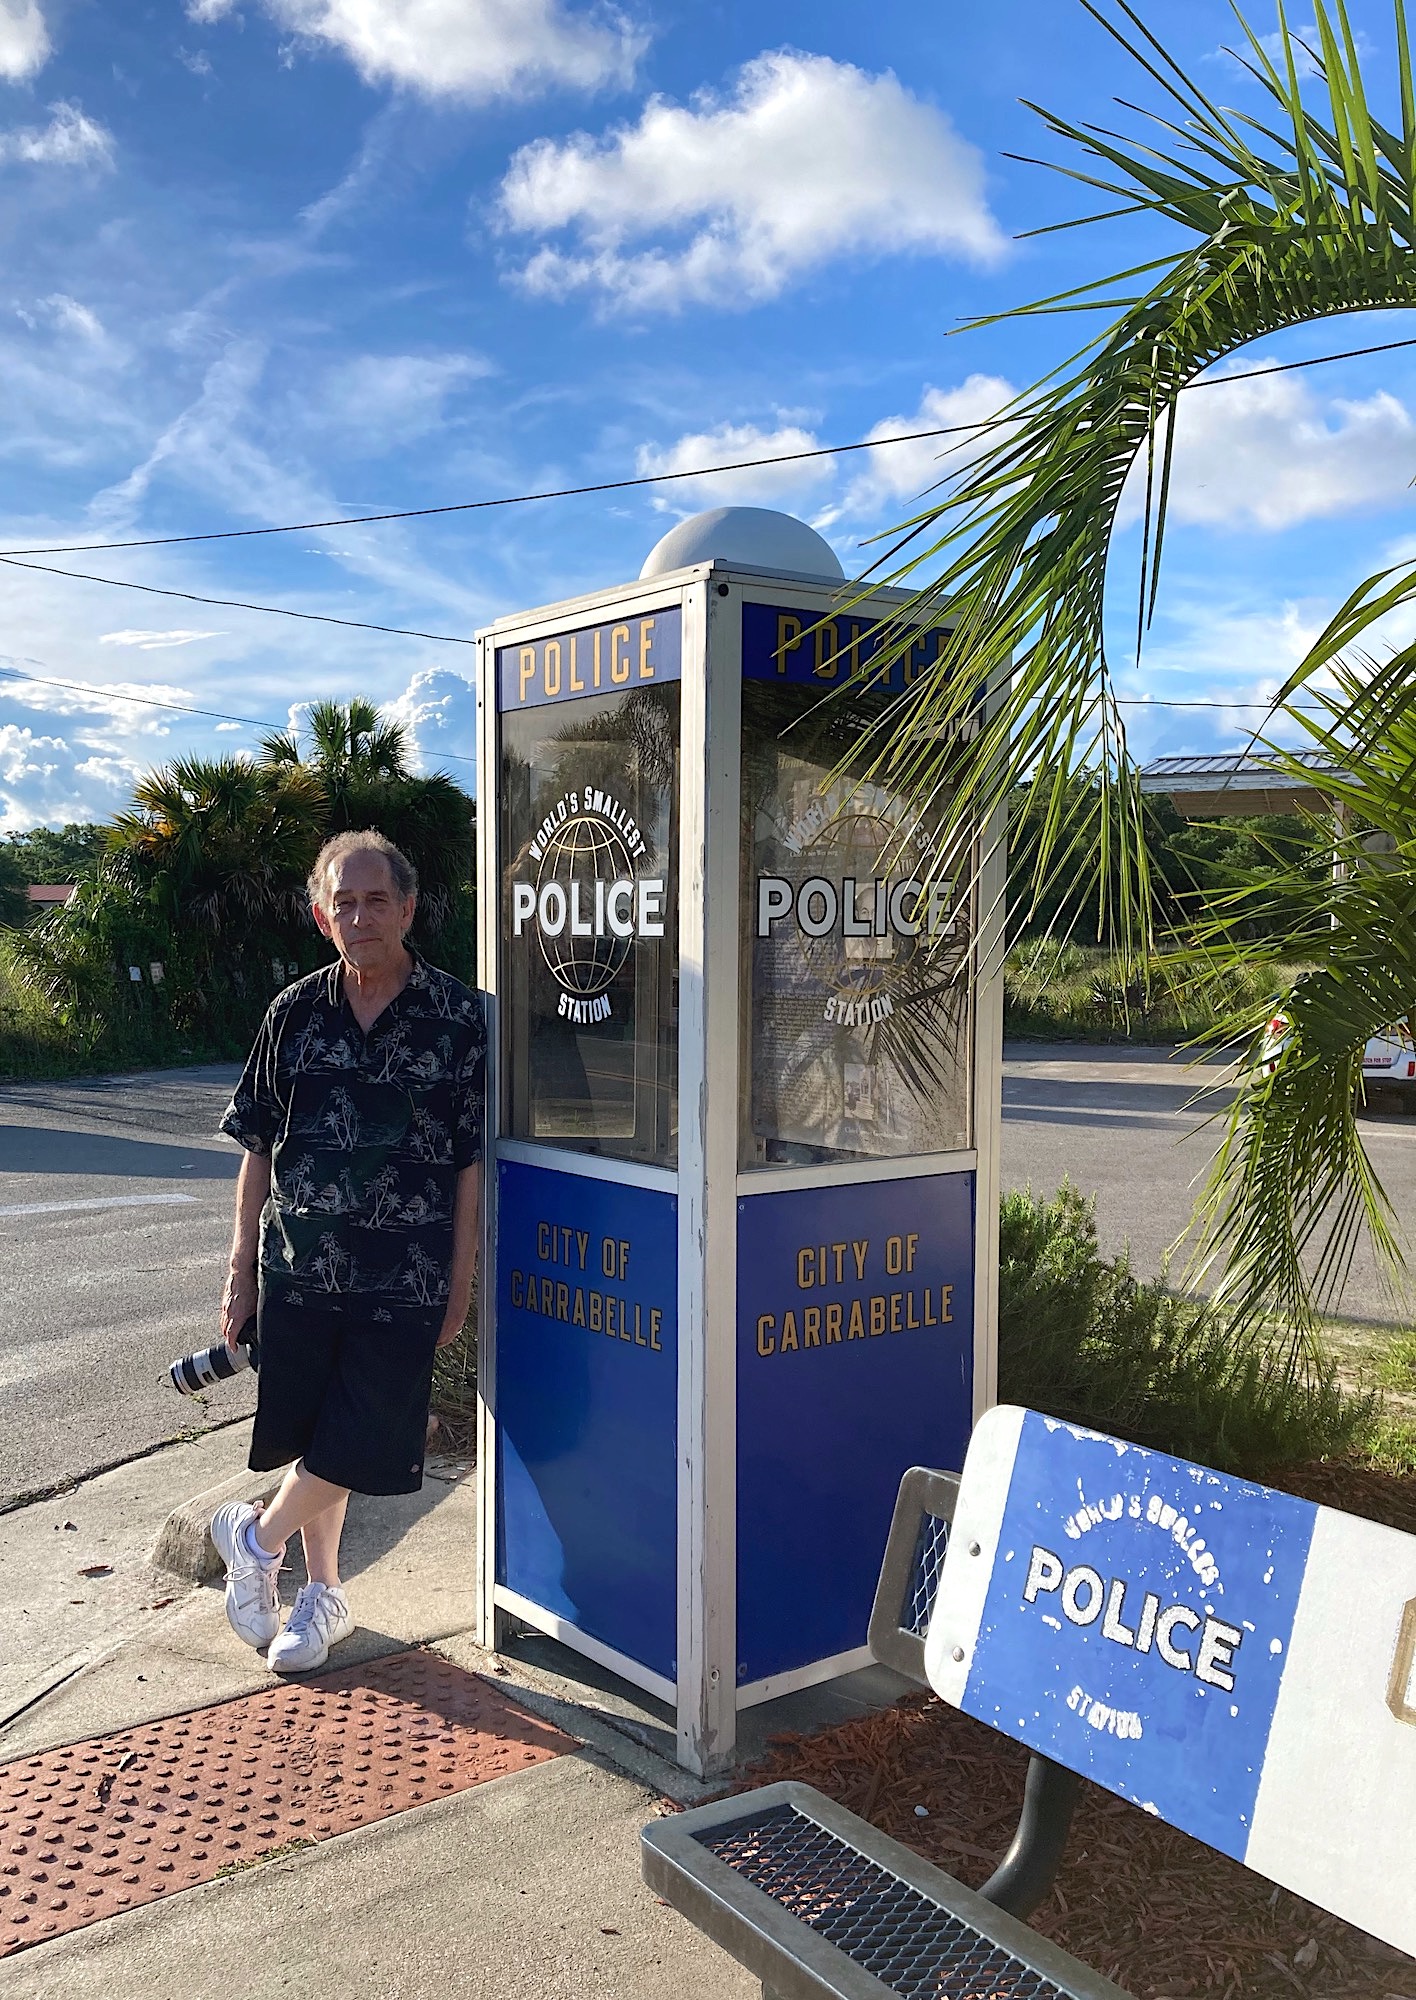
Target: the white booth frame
pixel 707 1698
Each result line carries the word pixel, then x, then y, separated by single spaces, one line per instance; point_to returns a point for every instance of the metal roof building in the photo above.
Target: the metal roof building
pixel 1237 787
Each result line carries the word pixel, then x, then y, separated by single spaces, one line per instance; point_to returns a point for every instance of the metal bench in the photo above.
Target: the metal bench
pixel 1100 1656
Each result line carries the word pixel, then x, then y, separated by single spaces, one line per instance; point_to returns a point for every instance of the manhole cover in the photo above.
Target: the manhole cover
pixel 101 1826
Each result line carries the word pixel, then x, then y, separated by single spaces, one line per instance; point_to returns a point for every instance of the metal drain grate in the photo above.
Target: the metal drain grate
pixel 914 1947
pixel 104 1825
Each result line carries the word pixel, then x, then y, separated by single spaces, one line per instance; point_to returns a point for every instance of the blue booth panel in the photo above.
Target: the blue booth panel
pixel 586 1393
pixel 855 1361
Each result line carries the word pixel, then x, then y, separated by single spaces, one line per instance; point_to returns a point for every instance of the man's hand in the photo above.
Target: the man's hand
pixel 452 1329
pixel 238 1302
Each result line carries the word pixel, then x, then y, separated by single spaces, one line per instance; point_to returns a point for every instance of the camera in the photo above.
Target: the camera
pixel 217 1363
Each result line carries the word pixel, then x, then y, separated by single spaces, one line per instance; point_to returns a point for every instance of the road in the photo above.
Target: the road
pixel 115 1212
pixel 115 1218
pixel 1121 1123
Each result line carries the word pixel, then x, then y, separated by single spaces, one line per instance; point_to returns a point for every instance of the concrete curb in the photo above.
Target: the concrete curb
pixel 184 1546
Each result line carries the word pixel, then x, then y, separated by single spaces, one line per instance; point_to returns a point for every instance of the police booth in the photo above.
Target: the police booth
pixel 742 1186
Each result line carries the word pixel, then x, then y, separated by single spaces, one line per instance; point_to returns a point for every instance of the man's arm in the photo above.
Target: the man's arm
pixel 466 1240
pixel 238 1300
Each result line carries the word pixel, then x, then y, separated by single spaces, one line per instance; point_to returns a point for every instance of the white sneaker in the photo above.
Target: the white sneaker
pixel 319 1619
pixel 252 1592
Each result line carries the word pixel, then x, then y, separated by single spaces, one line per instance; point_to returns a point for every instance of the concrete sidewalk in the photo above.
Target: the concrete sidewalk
pixel 524 1886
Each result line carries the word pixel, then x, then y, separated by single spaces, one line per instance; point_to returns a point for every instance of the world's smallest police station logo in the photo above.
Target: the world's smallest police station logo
pixel 865 905
pixel 585 901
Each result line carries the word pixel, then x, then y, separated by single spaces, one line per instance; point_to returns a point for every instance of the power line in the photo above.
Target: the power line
pixel 1154 701
pixel 240 604
pixel 618 485
pixel 220 715
pixel 177 707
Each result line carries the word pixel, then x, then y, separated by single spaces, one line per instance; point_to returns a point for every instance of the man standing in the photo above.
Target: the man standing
pixel 355 1247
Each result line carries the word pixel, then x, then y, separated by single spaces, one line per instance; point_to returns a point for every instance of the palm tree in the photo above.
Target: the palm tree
pixel 1305 211
pixel 349 743
pixel 222 845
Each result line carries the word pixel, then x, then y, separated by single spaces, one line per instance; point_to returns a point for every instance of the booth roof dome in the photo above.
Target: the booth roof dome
pixel 759 537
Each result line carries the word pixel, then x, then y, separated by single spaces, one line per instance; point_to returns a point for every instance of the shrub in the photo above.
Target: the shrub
pixel 1082 1338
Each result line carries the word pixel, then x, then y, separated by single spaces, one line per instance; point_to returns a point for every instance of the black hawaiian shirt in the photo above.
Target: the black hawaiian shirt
pixel 366 1135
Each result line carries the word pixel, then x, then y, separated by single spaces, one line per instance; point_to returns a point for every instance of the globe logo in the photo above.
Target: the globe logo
pixel 584 851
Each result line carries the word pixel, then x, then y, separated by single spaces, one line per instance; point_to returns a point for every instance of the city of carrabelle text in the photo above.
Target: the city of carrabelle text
pixel 585 1304
pixel 864 1315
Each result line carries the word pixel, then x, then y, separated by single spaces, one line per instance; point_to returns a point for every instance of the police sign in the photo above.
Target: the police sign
pixel 1234 1659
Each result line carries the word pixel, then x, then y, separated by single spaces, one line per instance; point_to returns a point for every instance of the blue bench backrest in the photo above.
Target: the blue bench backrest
pixel 1240 1662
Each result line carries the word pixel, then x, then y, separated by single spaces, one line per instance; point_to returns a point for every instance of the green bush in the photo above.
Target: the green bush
pixel 1082 1338
pixel 1055 991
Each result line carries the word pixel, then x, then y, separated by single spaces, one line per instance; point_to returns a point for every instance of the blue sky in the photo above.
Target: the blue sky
pixel 267 260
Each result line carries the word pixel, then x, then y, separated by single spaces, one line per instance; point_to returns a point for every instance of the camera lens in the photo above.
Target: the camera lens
pixel 204 1369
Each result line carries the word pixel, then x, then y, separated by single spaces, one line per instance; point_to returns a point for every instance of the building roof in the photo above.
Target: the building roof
pixel 50 892
pixel 1238 787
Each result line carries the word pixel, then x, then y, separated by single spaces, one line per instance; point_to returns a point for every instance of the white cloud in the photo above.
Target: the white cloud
pixel 70 139
pixel 49 778
pixel 205 12
pixel 438 708
pixel 24 39
pixel 475 50
pixel 1267 454
pixel 229 728
pixel 896 474
pixel 382 400
pixel 69 316
pixel 761 486
pixel 152 642
pixel 731 200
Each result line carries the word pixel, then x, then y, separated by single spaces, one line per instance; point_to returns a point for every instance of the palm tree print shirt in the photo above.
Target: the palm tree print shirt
pixel 366 1136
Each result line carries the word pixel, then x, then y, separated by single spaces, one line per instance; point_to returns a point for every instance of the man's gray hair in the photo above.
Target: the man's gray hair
pixel 405 875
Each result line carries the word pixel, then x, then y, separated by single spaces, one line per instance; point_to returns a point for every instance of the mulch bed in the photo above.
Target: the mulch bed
pixel 1155 1910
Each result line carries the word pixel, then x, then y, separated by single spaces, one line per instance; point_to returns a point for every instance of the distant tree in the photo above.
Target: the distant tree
pixel 222 845
pixel 59 854
pixel 14 902
pixel 348 744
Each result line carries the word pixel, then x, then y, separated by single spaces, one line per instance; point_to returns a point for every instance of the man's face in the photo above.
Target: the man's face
pixel 362 912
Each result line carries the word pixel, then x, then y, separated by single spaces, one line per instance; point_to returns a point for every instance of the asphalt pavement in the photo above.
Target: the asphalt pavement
pixel 116 1201
pixel 1130 1126
pixel 115 1218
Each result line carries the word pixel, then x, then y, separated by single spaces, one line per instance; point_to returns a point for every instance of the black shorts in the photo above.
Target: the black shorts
pixel 345 1392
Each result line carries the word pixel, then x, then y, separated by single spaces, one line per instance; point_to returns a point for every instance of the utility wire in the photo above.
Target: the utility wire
pixel 177 707
pixel 622 485
pixel 220 715
pixel 241 604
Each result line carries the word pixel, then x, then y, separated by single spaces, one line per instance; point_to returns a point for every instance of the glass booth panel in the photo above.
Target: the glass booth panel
pixel 856 1026
pixel 589 999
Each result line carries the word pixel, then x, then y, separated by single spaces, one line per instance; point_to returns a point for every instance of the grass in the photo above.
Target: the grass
pixel 1082 1338
pixel 1056 991
pixel 35 1042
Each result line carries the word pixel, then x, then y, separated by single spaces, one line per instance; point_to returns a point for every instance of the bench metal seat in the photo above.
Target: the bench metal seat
pixel 817 1902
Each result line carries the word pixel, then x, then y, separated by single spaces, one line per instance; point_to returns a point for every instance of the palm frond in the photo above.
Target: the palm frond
pixel 1304 212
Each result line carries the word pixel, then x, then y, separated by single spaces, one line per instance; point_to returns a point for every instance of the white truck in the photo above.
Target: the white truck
pixel 1388 1061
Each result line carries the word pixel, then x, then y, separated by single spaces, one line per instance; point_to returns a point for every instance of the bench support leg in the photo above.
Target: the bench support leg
pixel 1029 1868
